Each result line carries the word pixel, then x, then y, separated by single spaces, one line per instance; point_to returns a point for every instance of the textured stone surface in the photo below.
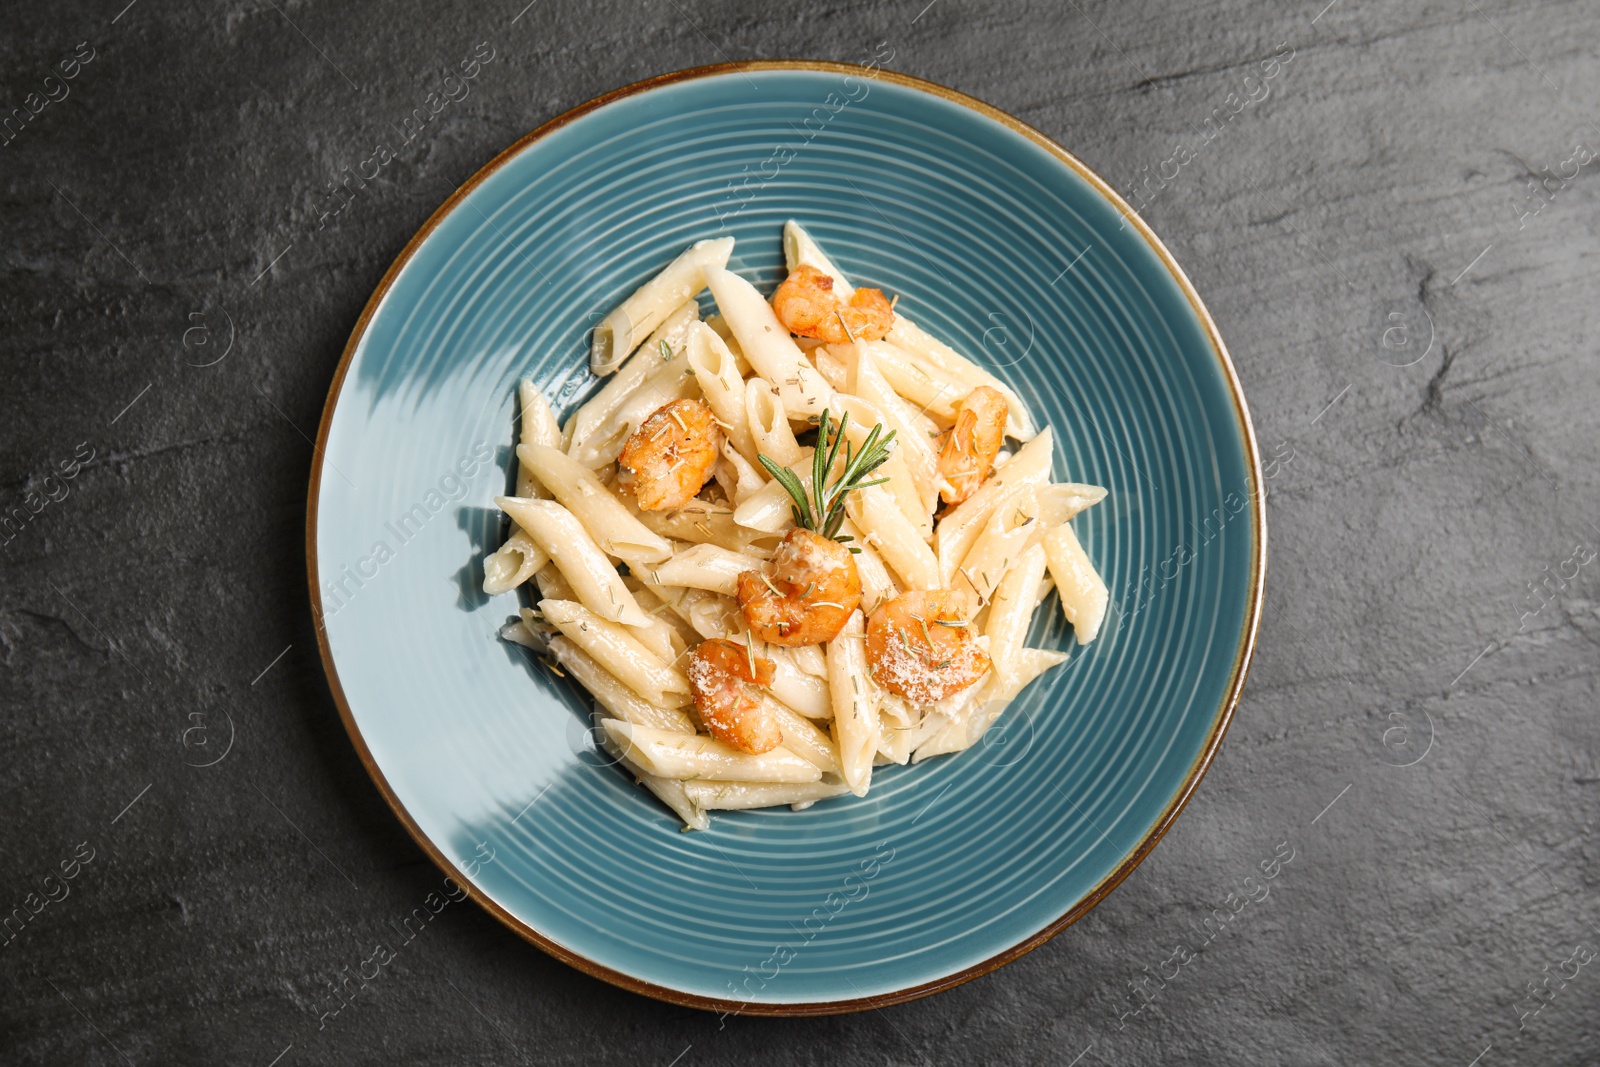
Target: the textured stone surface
pixel 164 214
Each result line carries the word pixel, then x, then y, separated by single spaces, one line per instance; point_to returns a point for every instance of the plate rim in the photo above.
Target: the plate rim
pixel 1197 770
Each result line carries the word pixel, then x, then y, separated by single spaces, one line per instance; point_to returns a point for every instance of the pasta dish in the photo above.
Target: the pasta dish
pixel 787 542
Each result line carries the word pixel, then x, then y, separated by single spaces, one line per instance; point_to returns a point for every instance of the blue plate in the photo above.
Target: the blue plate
pixel 996 241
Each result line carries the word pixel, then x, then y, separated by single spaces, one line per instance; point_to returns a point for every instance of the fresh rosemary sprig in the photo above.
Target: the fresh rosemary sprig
pixel 824 513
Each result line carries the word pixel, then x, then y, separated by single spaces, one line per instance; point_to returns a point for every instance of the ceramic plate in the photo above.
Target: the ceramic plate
pixel 996 241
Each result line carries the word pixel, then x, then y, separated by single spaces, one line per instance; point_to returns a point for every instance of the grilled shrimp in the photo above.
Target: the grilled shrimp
pixel 921 646
pixel 974 441
pixel 726 694
pixel 671 456
pixel 806 304
pixel 813 588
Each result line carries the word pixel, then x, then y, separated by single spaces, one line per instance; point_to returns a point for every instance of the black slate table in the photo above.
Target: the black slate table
pixel 1392 211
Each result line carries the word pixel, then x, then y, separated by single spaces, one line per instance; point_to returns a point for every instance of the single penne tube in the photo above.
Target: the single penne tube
pixel 744 796
pixel 963 523
pixel 885 527
pixel 618 700
pixel 721 387
pixel 689 756
pixel 512 563
pixel 936 355
pixel 931 393
pixel 803 737
pixel 700 523
pixel 795 688
pixel 602 514
pixel 569 546
pixel 1005 537
pixel 640 367
pixel 768 346
pixel 769 509
pixel 799 250
pixel 704 566
pixel 913 431
pixel 539 427
pixel 619 652
pixel 856 727
pixel 877 585
pixel 1081 589
pixel 670 791
pixel 769 425
pixel 622 331
pixel 1011 610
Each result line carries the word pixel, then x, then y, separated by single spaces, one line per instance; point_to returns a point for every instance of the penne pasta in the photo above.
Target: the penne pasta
pixel 704 566
pixel 886 528
pixel 742 796
pixel 539 427
pixel 770 509
pixel 568 545
pixel 768 346
pixel 796 688
pixel 768 423
pixel 619 652
pixel 856 728
pixel 1012 610
pixel 674 755
pixel 938 357
pixel 669 791
pixel 932 393
pixel 1008 533
pixel 617 699
pixel 1081 589
pixel 552 586
pixel 512 563
pixel 599 409
pixel 603 515
pixel 520 633
pixel 962 524
pixel 804 738
pixel 622 331
pixel 721 387
pixel 862 644
pixel 707 524
pixel 913 431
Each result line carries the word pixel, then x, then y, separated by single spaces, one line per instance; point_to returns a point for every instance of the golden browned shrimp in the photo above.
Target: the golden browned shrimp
pixel 723 684
pixel 974 441
pixel 671 456
pixel 920 646
pixel 813 588
pixel 806 304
